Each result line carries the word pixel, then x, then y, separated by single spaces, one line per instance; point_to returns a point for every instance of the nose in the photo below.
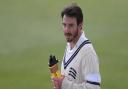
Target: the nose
pixel 66 29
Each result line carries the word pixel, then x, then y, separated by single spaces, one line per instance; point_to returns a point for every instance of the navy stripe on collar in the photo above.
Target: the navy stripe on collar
pixel 75 53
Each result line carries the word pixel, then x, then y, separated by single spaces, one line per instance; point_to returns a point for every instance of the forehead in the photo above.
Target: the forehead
pixel 68 19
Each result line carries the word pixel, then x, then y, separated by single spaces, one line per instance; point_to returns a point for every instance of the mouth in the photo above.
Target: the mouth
pixel 68 34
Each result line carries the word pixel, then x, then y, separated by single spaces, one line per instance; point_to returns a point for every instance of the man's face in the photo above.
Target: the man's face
pixel 70 28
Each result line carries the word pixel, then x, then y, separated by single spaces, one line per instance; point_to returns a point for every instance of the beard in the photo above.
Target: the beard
pixel 70 37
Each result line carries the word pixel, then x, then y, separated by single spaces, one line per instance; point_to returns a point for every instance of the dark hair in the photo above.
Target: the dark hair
pixel 73 10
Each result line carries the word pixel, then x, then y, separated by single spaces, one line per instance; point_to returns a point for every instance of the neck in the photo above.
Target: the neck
pixel 73 43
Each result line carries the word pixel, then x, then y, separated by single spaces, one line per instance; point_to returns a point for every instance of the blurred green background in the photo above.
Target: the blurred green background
pixel 30 30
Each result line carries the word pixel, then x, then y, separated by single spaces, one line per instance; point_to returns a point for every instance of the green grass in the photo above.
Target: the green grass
pixel 30 30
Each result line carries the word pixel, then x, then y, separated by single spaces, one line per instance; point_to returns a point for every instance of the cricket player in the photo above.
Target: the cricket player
pixel 80 66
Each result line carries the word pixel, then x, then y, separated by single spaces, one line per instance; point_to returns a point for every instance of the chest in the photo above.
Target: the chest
pixel 74 69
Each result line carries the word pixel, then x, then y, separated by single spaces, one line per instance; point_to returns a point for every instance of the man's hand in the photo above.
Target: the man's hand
pixel 57 82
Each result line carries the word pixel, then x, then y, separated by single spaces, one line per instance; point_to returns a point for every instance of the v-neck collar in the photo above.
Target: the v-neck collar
pixel 74 54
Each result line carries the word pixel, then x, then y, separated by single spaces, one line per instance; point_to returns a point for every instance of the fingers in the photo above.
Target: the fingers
pixel 55 83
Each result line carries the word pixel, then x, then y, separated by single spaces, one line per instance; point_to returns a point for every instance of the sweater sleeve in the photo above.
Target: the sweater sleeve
pixel 67 84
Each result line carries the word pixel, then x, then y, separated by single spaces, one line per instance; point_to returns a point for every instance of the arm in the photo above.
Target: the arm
pixel 66 84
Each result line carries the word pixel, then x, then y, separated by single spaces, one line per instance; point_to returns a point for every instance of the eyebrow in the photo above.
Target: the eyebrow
pixel 68 24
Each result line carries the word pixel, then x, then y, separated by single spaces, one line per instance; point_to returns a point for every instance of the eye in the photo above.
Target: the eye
pixel 70 25
pixel 64 25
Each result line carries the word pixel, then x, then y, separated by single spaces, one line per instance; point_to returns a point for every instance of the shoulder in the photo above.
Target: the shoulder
pixel 87 48
pixel 88 53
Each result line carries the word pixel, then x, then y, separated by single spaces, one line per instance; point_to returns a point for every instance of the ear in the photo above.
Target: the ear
pixel 80 26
